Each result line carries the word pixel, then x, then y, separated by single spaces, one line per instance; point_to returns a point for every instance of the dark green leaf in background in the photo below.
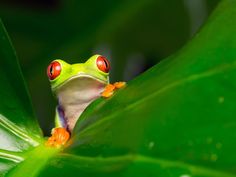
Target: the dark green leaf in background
pixel 145 30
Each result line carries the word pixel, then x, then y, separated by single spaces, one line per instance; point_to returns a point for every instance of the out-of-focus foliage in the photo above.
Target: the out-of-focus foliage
pixel 133 34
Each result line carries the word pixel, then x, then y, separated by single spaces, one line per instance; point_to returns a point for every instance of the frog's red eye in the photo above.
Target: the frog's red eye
pixel 54 70
pixel 103 64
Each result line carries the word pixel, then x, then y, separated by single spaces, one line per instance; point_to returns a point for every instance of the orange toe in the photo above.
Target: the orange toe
pixel 109 87
pixel 107 94
pixel 59 137
pixel 119 84
pixel 108 91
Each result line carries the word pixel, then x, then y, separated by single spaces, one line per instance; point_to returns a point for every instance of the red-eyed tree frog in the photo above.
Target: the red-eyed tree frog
pixel 75 87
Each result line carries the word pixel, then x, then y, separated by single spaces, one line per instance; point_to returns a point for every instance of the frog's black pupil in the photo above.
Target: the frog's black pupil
pixel 105 63
pixel 51 70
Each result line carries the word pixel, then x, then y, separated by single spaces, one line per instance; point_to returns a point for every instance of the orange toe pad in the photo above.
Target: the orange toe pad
pixel 59 137
pixel 109 89
pixel 119 84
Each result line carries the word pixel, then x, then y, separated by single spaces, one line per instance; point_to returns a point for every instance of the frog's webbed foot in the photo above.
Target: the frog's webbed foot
pixel 59 137
pixel 110 88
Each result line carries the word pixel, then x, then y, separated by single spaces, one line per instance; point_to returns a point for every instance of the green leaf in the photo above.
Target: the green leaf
pixel 19 129
pixel 177 119
pixel 15 102
pixel 179 116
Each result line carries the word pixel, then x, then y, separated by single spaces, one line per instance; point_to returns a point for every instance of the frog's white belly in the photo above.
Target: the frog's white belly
pixel 76 95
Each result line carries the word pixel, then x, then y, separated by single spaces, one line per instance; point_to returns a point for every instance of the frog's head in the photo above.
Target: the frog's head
pixel 59 72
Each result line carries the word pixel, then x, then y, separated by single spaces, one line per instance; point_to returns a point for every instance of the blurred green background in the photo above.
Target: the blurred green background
pixel 133 34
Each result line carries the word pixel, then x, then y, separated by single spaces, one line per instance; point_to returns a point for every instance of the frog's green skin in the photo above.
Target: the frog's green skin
pixel 76 87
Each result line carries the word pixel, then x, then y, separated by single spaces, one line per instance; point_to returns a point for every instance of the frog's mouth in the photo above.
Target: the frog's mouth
pixel 79 76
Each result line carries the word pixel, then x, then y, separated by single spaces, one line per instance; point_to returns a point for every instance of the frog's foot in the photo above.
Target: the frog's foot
pixel 110 88
pixel 59 137
pixel 119 85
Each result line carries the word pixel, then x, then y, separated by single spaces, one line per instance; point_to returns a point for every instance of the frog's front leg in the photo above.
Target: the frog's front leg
pixel 110 88
pixel 59 137
pixel 60 134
